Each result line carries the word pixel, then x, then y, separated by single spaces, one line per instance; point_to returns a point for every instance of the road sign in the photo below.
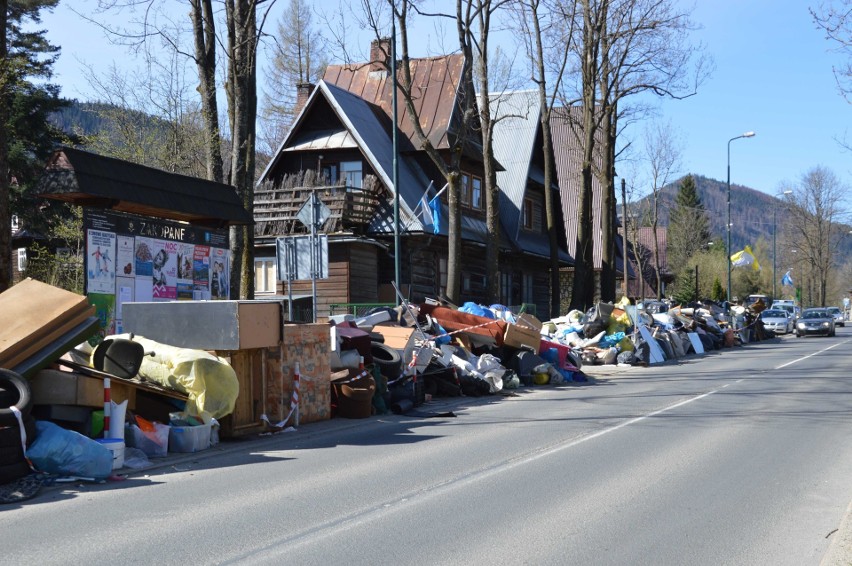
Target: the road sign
pixel 298 261
pixel 314 208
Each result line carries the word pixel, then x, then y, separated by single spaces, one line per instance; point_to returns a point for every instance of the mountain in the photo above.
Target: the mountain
pixel 751 213
pixel 751 210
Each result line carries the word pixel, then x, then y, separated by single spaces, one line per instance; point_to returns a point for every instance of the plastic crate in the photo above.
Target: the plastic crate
pixel 189 438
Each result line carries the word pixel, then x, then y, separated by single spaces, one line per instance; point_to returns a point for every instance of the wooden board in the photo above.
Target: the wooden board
pixel 34 315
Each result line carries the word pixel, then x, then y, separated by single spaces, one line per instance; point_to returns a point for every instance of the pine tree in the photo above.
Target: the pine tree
pixel 27 100
pixel 689 227
pixel 718 293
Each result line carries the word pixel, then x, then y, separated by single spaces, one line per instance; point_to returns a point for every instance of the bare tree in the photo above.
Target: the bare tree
pixel 299 57
pixel 243 23
pixel 834 17
pixel 662 152
pixel 539 22
pixel 814 210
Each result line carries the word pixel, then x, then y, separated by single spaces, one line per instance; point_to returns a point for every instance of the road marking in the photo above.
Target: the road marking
pixel 782 366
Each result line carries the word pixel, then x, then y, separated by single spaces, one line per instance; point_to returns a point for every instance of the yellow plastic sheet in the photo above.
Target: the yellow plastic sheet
pixel 209 382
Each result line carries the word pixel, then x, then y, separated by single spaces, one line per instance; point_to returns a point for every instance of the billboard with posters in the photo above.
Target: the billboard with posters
pixel 136 259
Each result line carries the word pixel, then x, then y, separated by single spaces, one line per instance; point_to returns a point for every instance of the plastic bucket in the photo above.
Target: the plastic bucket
pixel 116 446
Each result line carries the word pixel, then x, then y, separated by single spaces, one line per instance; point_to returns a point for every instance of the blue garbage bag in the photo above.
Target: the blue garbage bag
pixel 63 452
pixel 478 310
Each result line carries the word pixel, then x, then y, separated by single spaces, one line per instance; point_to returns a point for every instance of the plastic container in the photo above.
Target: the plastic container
pixel 116 447
pixel 189 438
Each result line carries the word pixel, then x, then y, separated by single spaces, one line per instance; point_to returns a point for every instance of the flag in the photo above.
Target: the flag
pixel 425 212
pixel 787 279
pixel 745 257
pixel 435 207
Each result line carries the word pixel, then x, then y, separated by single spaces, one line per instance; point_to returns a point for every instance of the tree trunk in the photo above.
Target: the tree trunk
pixel 242 40
pixel 583 293
pixel 204 32
pixel 5 212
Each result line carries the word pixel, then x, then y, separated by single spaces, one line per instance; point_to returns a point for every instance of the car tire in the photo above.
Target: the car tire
pixel 11 381
pixel 387 358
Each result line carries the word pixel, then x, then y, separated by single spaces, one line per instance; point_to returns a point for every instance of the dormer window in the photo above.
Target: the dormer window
pixel 16 223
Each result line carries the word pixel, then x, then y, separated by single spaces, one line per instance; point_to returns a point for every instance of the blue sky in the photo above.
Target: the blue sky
pixel 773 75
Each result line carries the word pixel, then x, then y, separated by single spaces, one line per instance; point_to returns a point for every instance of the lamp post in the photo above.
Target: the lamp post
pixel 745 135
pixel 774 247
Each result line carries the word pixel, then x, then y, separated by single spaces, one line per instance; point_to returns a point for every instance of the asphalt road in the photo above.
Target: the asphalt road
pixel 740 457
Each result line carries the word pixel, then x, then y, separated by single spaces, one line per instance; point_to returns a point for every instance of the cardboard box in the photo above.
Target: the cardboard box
pixel 395 336
pixel 54 387
pixel 525 333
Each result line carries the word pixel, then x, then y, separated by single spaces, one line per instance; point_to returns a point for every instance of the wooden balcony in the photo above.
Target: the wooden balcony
pixel 276 208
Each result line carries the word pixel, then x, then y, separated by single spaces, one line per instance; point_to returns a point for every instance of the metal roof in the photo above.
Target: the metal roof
pixel 435 83
pixel 87 179
pixel 565 127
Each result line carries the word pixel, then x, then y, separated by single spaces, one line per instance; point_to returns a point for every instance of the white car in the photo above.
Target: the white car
pixel 778 321
pixel 838 315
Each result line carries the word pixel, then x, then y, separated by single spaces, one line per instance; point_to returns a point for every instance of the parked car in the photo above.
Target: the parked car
pixel 794 311
pixel 838 316
pixel 778 321
pixel 815 321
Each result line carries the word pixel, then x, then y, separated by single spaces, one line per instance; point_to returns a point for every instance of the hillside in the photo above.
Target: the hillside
pixel 751 212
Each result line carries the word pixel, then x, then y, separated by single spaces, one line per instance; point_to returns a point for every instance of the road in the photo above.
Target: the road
pixel 740 457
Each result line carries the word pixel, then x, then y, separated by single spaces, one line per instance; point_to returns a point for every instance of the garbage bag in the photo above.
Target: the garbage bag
pixel 478 310
pixel 626 357
pixel 63 452
pixel 594 327
pixel 209 381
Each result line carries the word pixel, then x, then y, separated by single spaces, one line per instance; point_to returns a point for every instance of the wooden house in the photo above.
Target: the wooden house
pixel 341 147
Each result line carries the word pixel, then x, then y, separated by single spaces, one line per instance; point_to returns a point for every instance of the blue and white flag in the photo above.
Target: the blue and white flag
pixel 435 206
pixel 425 213
pixel 787 280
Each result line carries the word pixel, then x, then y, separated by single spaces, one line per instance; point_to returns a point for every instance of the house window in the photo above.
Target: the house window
pixel 471 192
pixel 350 171
pixel 16 223
pixel 329 174
pixel 476 193
pixel 442 273
pixel 22 259
pixel 264 275
pixel 506 288
pixel 527 290
pixel 465 190
pixel 527 213
pixel 466 283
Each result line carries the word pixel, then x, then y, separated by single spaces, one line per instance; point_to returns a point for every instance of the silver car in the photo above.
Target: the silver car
pixel 815 321
pixel 778 321
pixel 837 314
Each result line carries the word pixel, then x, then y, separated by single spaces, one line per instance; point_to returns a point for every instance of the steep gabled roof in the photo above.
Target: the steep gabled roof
pixel 517 118
pixel 435 83
pixel 88 179
pixel 565 127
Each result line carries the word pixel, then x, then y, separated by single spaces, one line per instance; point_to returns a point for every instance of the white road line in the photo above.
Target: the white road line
pixel 782 366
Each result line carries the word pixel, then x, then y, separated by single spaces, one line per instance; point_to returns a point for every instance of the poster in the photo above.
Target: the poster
pixel 165 269
pixel 219 274
pixel 100 271
pixel 104 304
pixel 144 257
pixel 125 264
pixel 185 260
pixel 201 273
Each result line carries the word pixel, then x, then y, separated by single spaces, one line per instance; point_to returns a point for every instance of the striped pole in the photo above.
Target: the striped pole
pixel 294 398
pixel 107 403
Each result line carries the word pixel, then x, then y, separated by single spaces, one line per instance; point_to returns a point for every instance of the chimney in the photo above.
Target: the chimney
pixel 380 52
pixel 303 92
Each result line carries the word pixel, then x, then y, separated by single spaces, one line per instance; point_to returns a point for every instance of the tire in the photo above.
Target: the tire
pixel 12 472
pixel 387 358
pixel 10 436
pixel 10 380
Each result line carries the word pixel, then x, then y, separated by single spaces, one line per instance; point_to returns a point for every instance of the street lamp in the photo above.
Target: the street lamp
pixel 745 135
pixel 774 248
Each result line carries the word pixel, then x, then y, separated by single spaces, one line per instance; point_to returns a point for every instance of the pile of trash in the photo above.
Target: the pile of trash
pixel 436 350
